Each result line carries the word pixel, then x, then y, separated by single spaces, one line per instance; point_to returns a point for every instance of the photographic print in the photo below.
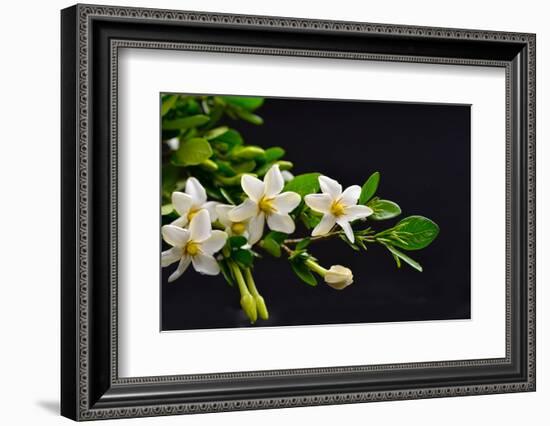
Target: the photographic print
pixel 280 212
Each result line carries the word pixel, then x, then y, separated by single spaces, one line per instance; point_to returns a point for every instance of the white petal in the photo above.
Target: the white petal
pixel 286 202
pixel 281 223
pixel 194 188
pixel 352 213
pixel 253 187
pixel 200 228
pixel 222 210
pixel 243 211
pixel 287 176
pixel 319 202
pixel 182 203
pixel 180 221
pixel 324 227
pixel 182 266
pixel 210 207
pixel 214 243
pixel 351 195
pixel 344 224
pixel 274 181
pixel 256 228
pixel 330 186
pixel 170 256
pixel 205 264
pixel 174 235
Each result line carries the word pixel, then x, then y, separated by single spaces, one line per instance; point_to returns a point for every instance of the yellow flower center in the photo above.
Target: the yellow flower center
pixel 266 205
pixel 337 208
pixel 238 228
pixel 193 248
pixel 192 213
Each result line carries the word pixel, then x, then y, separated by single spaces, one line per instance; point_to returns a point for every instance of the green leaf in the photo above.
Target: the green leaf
pixel 193 151
pixel 167 103
pixel 413 233
pixel 274 153
pixel 170 174
pixel 166 209
pixel 251 118
pixel 243 257
pixel 244 167
pixel 302 271
pixel 216 133
pixel 231 137
pixel 226 195
pixel 302 245
pixel 185 122
pixel 237 241
pixel 307 183
pixel 247 102
pixel 369 188
pixel 383 209
pixel 400 255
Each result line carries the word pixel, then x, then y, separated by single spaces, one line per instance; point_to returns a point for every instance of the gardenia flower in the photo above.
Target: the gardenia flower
pixel 194 245
pixel 337 207
pixel 338 277
pixel 232 228
pixel 266 202
pixel 191 202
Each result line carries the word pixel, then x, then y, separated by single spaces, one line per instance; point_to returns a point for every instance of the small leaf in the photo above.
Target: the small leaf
pixel 231 137
pixel 369 188
pixel 185 122
pixel 404 257
pixel 166 209
pixel 383 209
pixel 303 244
pixel 237 241
pixel 167 103
pixel 302 271
pixel 247 102
pixel 413 233
pixel 251 118
pixel 243 257
pixel 193 151
pixel 244 167
pixel 307 183
pixel 216 133
pixel 226 195
pixel 274 154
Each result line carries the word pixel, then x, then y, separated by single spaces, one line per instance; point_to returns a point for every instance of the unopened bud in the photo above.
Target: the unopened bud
pixel 249 307
pixel 338 277
pixel 261 307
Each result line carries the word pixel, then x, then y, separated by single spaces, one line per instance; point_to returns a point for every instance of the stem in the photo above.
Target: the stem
pixel 318 237
pixel 315 267
pixel 250 282
pixel 239 277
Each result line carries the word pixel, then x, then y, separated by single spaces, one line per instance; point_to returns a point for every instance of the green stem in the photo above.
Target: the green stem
pixel 315 267
pixel 250 282
pixel 248 303
pixel 260 302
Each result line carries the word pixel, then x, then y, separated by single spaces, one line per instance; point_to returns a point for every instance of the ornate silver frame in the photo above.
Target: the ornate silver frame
pixel 91 388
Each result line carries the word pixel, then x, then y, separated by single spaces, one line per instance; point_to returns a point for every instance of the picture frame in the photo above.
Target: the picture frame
pixel 91 387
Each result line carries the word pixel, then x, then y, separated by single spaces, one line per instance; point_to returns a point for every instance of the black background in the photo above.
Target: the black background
pixel 423 154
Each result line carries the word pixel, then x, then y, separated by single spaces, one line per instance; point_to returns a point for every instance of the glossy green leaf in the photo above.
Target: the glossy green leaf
pixel 243 257
pixel 271 246
pixel 303 244
pixel 250 117
pixel 216 133
pixel 226 272
pixel 185 122
pixel 166 209
pixel 307 183
pixel 383 209
pixel 167 103
pixel 400 255
pixel 244 167
pixel 274 153
pixel 193 151
pixel 247 102
pixel 413 233
pixel 237 241
pixel 369 188
pixel 227 196
pixel 302 271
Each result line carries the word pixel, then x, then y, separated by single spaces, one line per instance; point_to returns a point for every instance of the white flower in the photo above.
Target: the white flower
pixel 337 207
pixel 287 176
pixel 194 245
pixel 266 202
pixel 232 228
pixel 191 202
pixel 338 277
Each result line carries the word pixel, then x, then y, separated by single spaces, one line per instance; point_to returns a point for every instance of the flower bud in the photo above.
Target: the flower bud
pixel 338 277
pixel 261 307
pixel 209 165
pixel 249 307
pixel 284 165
